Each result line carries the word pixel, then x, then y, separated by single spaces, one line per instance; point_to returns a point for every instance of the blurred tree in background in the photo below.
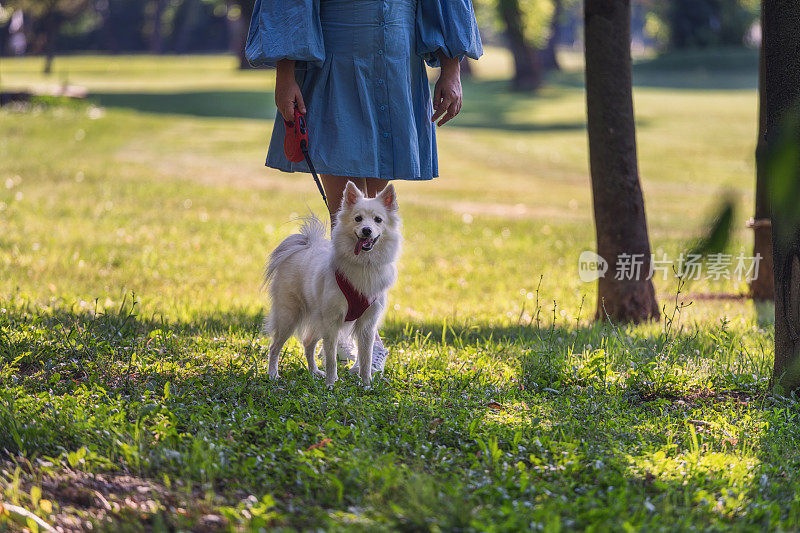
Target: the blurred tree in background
pixel 49 16
pixel 679 24
pixel 531 29
pixel 158 26
pixel 238 13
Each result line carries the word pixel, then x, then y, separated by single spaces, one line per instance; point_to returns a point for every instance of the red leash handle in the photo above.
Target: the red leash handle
pixel 296 139
pixel 295 146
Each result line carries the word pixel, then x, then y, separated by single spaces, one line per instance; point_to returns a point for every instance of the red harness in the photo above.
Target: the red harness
pixel 357 303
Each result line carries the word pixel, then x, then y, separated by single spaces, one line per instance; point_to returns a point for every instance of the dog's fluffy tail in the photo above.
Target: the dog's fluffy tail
pixel 311 232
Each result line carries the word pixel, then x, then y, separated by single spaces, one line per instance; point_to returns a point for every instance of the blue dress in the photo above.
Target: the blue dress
pixel 361 69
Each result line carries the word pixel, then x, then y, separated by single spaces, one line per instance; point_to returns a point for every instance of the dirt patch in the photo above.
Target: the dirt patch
pixel 103 501
pixel 711 296
pixel 701 396
pixel 14 97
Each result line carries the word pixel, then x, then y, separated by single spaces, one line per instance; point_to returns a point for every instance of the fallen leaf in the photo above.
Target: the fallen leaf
pixel 321 444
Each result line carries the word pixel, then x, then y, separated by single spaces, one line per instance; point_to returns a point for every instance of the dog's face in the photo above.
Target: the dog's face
pixel 368 223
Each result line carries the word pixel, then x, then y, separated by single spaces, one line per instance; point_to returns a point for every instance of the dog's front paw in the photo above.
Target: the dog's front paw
pixel 273 376
pixel 317 373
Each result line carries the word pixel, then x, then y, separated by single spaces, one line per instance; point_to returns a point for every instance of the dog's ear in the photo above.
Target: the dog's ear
pixel 388 198
pixel 351 195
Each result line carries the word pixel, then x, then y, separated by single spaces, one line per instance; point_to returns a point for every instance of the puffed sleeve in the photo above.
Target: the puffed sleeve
pixel 285 29
pixel 447 25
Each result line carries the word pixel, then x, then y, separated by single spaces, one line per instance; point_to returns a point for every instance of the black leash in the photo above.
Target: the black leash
pixel 304 147
pixel 299 139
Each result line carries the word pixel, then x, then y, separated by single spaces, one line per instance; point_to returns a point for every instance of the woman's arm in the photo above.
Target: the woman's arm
pixel 447 92
pixel 287 92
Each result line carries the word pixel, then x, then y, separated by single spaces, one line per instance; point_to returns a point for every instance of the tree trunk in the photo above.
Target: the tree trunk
pixel 466 68
pixel 762 287
pixel 156 39
pixel 244 25
pixel 187 17
pixel 781 40
pixel 624 295
pixel 51 27
pixel 527 64
pixel 109 33
pixel 549 58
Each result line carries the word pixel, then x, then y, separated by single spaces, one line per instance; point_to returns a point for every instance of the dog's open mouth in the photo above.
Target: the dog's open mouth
pixel 365 244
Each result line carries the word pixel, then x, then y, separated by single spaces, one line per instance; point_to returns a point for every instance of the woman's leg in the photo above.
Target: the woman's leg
pixel 334 190
pixel 374 186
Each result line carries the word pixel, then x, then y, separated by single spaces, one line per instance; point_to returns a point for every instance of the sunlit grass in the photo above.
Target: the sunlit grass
pixel 503 407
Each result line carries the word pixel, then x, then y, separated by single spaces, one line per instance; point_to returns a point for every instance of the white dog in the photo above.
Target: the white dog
pixel 318 286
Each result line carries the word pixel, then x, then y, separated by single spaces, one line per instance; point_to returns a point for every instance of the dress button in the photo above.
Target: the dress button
pixel 385 135
pixel 383 108
pixel 380 81
pixel 380 52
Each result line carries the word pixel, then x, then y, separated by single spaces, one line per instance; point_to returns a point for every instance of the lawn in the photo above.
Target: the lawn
pixel 133 231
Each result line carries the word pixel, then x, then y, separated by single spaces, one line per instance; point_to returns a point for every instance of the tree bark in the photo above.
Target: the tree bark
pixel 247 7
pixel 620 222
pixel 466 68
pixel 109 34
pixel 762 287
pixel 549 58
pixel 781 41
pixel 156 40
pixel 51 27
pixel 527 63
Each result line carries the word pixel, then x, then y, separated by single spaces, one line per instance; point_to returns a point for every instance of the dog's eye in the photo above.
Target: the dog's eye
pixel 378 220
pixel 358 218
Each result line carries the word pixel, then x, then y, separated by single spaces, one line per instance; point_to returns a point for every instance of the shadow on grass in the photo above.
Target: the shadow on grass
pixel 489 105
pixel 712 69
pixel 78 343
pixel 696 78
pixel 211 104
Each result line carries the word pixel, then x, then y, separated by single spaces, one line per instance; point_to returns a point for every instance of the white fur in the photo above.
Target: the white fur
pixel 307 301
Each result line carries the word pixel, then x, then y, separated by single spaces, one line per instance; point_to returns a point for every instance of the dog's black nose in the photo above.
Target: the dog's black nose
pixel 366 232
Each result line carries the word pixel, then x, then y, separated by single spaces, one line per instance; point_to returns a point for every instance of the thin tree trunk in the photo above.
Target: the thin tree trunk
pixel 51 26
pixel 619 214
pixel 466 68
pixel 527 63
pixel 109 33
pixel 244 25
pixel 762 287
pixel 186 18
pixel 156 39
pixel 549 58
pixel 781 41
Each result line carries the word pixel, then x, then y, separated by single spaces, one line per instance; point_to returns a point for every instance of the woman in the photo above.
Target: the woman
pixel 356 69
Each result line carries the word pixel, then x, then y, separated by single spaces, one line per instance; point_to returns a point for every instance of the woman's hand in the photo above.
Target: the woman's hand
pixel 447 91
pixel 287 92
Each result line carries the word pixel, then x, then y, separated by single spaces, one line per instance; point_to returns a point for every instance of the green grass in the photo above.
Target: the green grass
pixel 133 231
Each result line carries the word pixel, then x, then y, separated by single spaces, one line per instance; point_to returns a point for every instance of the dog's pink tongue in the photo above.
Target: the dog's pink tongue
pixel 359 243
